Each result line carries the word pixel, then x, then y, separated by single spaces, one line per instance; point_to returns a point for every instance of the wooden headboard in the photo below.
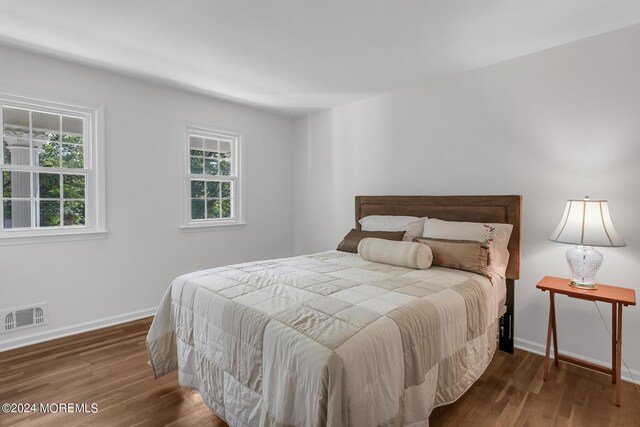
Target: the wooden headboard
pixel 500 209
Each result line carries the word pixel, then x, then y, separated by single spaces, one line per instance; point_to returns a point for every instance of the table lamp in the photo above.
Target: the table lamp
pixel 586 223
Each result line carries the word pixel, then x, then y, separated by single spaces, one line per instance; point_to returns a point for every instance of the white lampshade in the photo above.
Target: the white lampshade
pixel 587 222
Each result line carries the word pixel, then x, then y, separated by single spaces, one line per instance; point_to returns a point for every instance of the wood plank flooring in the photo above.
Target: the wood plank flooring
pixel 109 367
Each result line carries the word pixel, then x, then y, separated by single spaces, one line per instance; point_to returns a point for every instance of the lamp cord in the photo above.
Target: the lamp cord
pixel 604 322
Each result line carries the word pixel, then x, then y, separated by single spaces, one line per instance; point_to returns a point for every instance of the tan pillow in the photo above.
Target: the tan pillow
pixel 467 255
pixel 403 254
pixel 495 235
pixel 351 240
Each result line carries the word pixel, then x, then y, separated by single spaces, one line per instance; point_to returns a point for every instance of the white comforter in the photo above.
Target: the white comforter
pixel 326 339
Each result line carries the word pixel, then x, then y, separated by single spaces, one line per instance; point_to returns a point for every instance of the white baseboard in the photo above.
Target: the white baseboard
pixel 36 338
pixel 534 347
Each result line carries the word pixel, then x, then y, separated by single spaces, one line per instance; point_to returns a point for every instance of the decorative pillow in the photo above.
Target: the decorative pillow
pixel 403 254
pixel 411 224
pixel 467 255
pixel 351 240
pixel 495 235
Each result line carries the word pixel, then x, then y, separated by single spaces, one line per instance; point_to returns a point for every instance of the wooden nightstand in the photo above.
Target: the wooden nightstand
pixel 614 295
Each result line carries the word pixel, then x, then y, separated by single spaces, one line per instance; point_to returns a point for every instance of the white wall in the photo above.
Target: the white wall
pixel 130 269
pixel 558 124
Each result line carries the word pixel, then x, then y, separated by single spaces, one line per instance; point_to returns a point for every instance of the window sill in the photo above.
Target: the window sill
pixel 194 227
pixel 35 238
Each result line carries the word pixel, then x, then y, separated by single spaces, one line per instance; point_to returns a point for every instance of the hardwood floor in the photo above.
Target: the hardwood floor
pixel 109 367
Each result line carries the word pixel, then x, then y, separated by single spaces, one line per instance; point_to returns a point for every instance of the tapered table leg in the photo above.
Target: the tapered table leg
pixel 618 354
pixel 554 329
pixel 614 339
pixel 550 331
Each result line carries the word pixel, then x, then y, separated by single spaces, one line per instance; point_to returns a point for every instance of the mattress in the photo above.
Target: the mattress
pixel 326 339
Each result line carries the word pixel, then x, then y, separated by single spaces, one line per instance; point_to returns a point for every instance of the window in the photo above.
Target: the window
pixel 212 187
pixel 51 179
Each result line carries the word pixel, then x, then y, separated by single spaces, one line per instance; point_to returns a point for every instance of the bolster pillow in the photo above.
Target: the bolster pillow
pixel 403 254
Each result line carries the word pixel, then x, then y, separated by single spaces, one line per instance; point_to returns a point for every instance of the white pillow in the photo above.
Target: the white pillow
pixel 403 254
pixel 493 234
pixel 411 224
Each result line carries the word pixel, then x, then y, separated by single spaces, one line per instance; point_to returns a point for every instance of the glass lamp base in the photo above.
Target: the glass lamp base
pixel 584 263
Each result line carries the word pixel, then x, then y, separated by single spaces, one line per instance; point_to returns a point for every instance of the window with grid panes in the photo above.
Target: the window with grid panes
pixel 48 169
pixel 213 177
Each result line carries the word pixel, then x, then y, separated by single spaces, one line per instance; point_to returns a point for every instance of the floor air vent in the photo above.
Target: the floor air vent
pixel 16 319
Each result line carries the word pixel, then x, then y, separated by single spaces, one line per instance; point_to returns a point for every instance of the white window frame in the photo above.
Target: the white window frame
pixel 205 131
pixel 95 223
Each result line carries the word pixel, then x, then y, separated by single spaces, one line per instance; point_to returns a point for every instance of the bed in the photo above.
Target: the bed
pixel 332 339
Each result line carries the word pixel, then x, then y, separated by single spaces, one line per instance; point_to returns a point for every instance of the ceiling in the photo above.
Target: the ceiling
pixel 296 56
